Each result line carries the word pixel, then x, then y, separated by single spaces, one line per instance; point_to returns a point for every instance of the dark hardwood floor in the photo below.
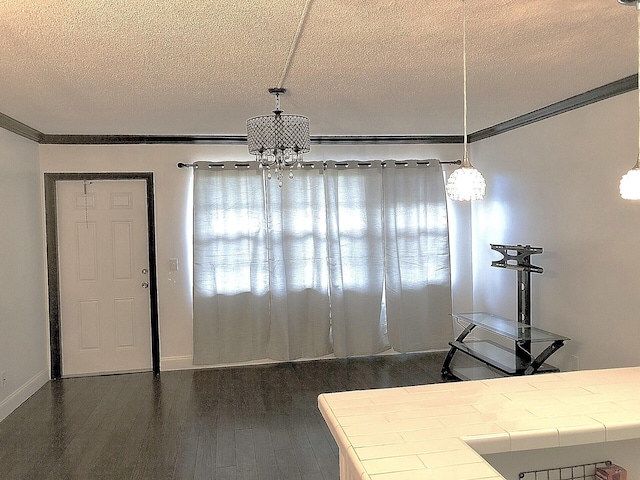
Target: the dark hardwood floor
pixel 259 422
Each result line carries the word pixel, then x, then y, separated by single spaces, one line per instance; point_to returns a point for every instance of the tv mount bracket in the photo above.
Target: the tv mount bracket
pixel 518 257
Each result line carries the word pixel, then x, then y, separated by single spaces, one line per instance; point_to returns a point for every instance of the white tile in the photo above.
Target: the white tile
pixel 356 394
pixel 554 384
pixel 581 435
pixel 487 444
pixel 377 439
pixel 614 390
pixel 345 401
pixel 625 394
pixel 505 387
pixel 545 423
pixel 421 474
pixel 507 404
pixel 528 379
pixel 630 404
pixel 554 392
pixel 438 400
pixel 429 423
pixel 469 419
pixel 458 431
pixel 595 377
pixel 584 399
pixel 467 471
pixel 412 448
pixel 563 410
pixel 354 463
pixel 470 471
pixel 443 459
pixel 342 411
pixel 348 420
pixel 389 427
pixel 622 430
pixel 534 439
pixel 423 412
pixel 624 416
pixel 394 464
pixel 460 388
pixel 401 396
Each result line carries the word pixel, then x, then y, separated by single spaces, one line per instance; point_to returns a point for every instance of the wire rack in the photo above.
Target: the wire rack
pixel 586 471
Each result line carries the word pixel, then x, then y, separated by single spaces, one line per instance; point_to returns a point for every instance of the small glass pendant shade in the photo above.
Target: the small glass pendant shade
pixel 630 183
pixel 466 183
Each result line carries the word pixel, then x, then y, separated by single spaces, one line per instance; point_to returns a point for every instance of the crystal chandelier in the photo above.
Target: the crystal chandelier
pixel 278 141
pixel 465 183
pixel 630 182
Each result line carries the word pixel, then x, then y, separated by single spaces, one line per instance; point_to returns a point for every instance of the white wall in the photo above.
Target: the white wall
pixel 23 334
pixel 554 184
pixel 551 184
pixel 173 215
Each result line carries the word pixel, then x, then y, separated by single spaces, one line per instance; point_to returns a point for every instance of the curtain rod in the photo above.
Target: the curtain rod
pixel 337 163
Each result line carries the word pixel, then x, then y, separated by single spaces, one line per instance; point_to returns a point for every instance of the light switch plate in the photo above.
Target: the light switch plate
pixel 173 264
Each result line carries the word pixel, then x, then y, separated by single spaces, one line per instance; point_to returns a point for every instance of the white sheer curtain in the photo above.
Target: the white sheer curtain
pixel 231 268
pixel 417 268
pixel 356 258
pixel 298 274
pixel 344 259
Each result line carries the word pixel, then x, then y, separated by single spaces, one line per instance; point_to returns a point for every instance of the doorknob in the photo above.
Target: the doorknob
pixel 145 284
pixel 145 271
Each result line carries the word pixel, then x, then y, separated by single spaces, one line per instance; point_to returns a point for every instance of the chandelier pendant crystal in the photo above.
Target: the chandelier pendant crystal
pixel 278 141
pixel 630 182
pixel 466 182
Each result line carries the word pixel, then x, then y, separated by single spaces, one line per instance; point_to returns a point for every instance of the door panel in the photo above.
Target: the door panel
pixel 103 257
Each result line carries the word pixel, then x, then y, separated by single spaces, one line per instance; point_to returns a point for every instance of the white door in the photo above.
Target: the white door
pixel 104 295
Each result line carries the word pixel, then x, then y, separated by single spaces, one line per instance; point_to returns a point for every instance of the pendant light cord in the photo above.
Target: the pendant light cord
pixel 465 158
pixel 295 42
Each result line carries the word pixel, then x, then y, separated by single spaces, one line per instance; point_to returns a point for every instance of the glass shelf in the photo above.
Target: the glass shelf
pixel 517 331
pixel 498 356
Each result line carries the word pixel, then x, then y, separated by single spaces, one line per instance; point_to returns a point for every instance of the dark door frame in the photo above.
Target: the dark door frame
pixel 53 273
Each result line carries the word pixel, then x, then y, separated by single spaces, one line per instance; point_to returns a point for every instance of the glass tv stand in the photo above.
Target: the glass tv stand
pixel 497 358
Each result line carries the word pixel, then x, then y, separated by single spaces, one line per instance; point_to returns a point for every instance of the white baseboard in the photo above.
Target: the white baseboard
pixel 18 397
pixel 168 364
pixel 184 362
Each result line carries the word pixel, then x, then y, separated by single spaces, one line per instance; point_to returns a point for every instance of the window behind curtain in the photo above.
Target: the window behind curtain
pixel 343 260
pixel 231 267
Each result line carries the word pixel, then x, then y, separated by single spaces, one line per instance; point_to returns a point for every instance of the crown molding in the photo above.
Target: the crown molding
pixel 64 139
pixel 48 139
pixel 20 128
pixel 603 92
pixel 385 139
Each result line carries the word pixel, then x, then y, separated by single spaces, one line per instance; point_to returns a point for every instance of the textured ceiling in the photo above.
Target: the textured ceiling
pixel 369 67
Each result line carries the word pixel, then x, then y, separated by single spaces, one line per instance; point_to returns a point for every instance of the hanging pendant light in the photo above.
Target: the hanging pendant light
pixel 278 141
pixel 630 182
pixel 466 182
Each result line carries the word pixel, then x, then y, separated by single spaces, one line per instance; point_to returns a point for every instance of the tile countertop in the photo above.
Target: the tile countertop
pixel 438 431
